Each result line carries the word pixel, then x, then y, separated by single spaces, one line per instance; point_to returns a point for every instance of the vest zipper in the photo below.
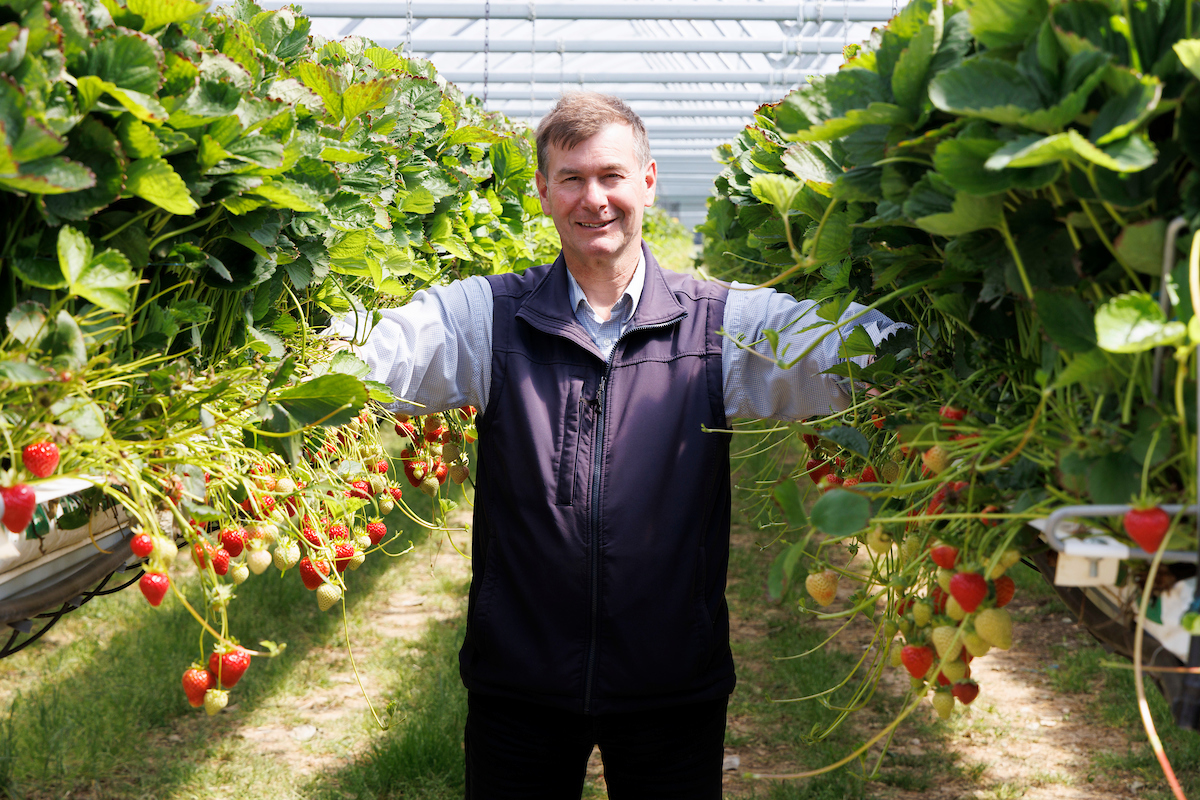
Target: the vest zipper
pixel 594 509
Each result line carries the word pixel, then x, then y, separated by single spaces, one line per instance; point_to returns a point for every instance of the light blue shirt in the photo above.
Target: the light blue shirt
pixel 435 352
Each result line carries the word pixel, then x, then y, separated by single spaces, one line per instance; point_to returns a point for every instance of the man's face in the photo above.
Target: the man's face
pixel 596 193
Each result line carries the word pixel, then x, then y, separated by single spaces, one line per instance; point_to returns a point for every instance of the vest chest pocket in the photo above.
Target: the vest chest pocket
pixel 568 446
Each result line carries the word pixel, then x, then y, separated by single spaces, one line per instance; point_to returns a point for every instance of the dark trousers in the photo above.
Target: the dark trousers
pixel 524 751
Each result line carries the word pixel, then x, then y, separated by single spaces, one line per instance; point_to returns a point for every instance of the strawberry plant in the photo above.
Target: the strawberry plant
pixel 189 198
pixel 1002 176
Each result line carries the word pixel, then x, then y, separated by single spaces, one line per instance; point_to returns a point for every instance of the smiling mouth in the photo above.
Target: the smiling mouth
pixel 594 225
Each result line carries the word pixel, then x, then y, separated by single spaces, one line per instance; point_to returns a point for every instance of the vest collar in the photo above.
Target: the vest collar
pixel 548 307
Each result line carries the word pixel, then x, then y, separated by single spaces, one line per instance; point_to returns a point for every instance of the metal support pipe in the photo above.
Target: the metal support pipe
pixel 789 77
pixel 646 112
pixel 456 9
pixel 659 95
pixel 743 44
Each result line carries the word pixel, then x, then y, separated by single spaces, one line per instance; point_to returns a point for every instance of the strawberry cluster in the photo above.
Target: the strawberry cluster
pixel 321 518
pixel 433 448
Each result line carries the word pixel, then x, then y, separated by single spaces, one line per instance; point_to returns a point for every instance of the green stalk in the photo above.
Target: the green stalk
pixel 1012 248
pixel 169 234
pixel 1137 284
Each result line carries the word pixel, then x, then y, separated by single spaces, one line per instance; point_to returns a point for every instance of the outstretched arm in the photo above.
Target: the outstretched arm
pixel 755 386
pixel 435 352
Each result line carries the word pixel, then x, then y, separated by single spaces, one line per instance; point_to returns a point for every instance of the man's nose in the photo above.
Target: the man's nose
pixel 594 195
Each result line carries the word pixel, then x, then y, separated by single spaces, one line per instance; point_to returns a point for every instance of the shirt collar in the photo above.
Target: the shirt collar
pixel 633 291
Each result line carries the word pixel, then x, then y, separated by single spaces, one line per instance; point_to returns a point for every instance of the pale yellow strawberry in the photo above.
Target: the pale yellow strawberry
pixel 955 670
pixel 215 700
pixel 922 612
pixel 1007 559
pixel 975 645
pixel 943 641
pixel 894 655
pixel 954 610
pixel 258 561
pixel 327 596
pixel 943 578
pixel 936 459
pixel 889 471
pixel 943 704
pixel 879 541
pixel 822 586
pixel 994 626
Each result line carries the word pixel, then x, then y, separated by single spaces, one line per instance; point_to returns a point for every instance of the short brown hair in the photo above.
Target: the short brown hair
pixel 578 116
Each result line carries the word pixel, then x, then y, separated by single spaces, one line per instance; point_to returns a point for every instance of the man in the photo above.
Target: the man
pixel 601 532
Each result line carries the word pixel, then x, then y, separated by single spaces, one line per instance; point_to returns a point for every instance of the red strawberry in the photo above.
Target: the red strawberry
pixel 360 489
pixel 311 536
pixel 944 555
pixel 969 589
pixel 466 412
pixel 230 666
pixel 1146 526
pixel 811 439
pixel 1005 589
pixel 220 561
pixel 396 492
pixel 868 475
pixel 965 691
pixel 196 682
pixel 817 469
pixel 233 540
pixel 877 421
pixel 434 434
pixel 406 429
pixel 381 466
pixel 154 586
pixel 19 503
pixel 142 545
pixel 338 530
pixel 440 471
pixel 41 458
pixel 312 573
pixel 951 413
pixel 376 530
pixel 830 482
pixel 345 552
pixel 916 659
pixel 201 553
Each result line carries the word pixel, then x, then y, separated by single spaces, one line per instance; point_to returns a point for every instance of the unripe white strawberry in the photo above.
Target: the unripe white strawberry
pixel 215 700
pixel 459 473
pixel 975 645
pixel 943 703
pixel 286 554
pixel 894 655
pixel 954 610
pixel 936 459
pixel 357 559
pixel 922 612
pixel 451 452
pixel 955 670
pixel 285 485
pixel 258 560
pixel 943 578
pixel 378 483
pixel 943 641
pixel 239 572
pixel 327 596
pixel 386 505
pixel 429 485
pixel 994 626
pixel 879 541
pixel 362 542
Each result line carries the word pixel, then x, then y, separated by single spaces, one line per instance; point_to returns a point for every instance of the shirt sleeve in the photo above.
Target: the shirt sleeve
pixel 755 387
pixel 435 352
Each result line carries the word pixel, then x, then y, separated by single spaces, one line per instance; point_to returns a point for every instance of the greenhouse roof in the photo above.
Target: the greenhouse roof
pixel 695 71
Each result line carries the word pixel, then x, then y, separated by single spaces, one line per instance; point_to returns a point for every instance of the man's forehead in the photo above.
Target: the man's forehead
pixel 613 144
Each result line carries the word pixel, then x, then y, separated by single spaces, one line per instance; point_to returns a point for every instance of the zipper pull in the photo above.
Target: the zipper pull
pixel 598 402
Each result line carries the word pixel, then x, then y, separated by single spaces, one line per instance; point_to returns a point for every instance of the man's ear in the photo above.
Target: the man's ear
pixel 542 187
pixel 651 182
